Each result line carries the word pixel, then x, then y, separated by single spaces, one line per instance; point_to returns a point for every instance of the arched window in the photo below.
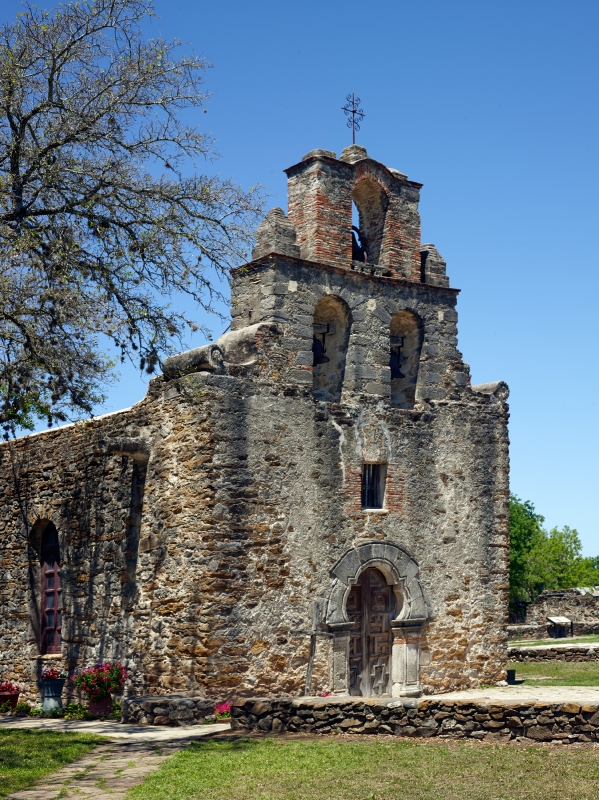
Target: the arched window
pixel 51 594
pixel 329 347
pixel 371 202
pixel 406 335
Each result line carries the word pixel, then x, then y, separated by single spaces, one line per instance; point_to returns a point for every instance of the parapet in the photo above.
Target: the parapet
pixel 321 189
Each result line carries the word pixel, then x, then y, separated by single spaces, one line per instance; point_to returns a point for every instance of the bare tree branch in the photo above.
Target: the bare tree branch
pixel 94 240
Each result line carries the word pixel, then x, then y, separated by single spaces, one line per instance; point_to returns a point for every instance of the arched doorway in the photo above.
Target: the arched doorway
pixel 404 610
pixel 370 609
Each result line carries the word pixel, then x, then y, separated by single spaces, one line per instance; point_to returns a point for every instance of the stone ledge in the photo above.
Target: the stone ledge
pixel 564 652
pixel 493 720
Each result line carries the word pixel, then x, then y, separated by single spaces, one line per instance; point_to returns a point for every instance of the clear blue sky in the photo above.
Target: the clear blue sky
pixel 494 107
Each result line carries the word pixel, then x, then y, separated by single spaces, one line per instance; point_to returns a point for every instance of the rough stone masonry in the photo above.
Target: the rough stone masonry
pixel 317 502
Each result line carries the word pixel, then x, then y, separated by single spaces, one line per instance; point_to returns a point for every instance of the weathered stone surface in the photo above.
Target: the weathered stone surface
pixel 452 718
pixel 581 609
pixel 200 528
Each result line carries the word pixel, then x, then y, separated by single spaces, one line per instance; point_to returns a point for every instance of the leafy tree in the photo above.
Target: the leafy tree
pixel 541 560
pixel 525 533
pixel 556 562
pixel 102 218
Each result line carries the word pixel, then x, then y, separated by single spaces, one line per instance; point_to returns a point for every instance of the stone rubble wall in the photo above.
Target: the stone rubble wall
pixel 173 709
pixel 199 529
pixel 545 631
pixel 491 722
pixel 583 653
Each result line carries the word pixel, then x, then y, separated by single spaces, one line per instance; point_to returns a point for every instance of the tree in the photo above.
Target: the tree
pixel 541 560
pixel 556 562
pixel 100 222
pixel 525 533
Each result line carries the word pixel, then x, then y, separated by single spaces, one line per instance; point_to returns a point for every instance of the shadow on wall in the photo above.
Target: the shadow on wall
pixel 406 333
pixel 331 335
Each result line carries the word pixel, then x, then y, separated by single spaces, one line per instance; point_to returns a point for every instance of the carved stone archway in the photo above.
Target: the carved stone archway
pixel 401 573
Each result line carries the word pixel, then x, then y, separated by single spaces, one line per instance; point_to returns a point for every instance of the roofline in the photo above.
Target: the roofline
pixel 413 184
pixel 60 428
pixel 263 261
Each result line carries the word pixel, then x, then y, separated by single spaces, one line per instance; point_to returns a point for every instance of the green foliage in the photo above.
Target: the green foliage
pixel 525 533
pixel 556 562
pixel 541 560
pixel 22 707
pixel 330 769
pixel 557 673
pixel 76 711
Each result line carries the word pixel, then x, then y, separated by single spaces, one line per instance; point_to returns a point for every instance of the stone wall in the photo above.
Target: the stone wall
pixel 491 722
pixel 201 529
pixel 173 709
pixel 582 609
pixel 571 653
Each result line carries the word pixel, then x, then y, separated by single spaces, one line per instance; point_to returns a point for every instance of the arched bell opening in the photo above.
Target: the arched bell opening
pixel 406 337
pixel 329 347
pixel 371 202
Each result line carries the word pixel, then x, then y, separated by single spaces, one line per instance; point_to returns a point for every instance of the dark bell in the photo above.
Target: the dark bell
pixel 394 364
pixel 319 352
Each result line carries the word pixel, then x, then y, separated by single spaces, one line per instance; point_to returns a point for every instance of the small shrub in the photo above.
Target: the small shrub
pixel 6 707
pixel 53 674
pixel 9 687
pixel 222 710
pixel 100 681
pixel 22 707
pixel 76 711
pixel 115 712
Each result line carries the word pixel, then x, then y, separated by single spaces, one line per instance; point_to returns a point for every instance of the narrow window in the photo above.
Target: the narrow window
pixel 51 592
pixel 373 485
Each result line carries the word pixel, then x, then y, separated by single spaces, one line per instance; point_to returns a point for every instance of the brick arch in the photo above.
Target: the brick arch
pixel 399 568
pixel 372 201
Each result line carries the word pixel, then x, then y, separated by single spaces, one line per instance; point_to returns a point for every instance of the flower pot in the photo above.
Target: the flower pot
pixel 52 693
pixel 11 697
pixel 100 708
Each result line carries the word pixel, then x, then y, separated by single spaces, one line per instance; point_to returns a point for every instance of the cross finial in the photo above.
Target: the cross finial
pixel 354 112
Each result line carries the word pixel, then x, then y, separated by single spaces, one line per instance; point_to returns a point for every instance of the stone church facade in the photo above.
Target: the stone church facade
pixel 316 502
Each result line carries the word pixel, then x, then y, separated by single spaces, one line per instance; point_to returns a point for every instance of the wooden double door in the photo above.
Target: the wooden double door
pixel 370 607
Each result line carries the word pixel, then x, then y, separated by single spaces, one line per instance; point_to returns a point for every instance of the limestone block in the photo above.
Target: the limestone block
pixel 276 234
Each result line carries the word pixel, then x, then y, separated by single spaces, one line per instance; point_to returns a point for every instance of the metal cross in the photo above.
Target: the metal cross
pixel 354 112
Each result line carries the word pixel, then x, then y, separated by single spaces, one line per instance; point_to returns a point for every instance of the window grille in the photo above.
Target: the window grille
pixel 373 485
pixel 51 593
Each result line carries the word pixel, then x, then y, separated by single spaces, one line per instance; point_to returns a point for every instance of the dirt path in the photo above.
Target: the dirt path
pixel 106 773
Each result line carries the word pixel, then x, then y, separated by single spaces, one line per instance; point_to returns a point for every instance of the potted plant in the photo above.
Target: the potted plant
pixel 98 683
pixel 9 695
pixel 51 685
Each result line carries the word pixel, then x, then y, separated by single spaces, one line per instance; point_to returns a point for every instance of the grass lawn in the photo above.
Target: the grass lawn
pixel 591 638
pixel 557 673
pixel 26 755
pixel 279 769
